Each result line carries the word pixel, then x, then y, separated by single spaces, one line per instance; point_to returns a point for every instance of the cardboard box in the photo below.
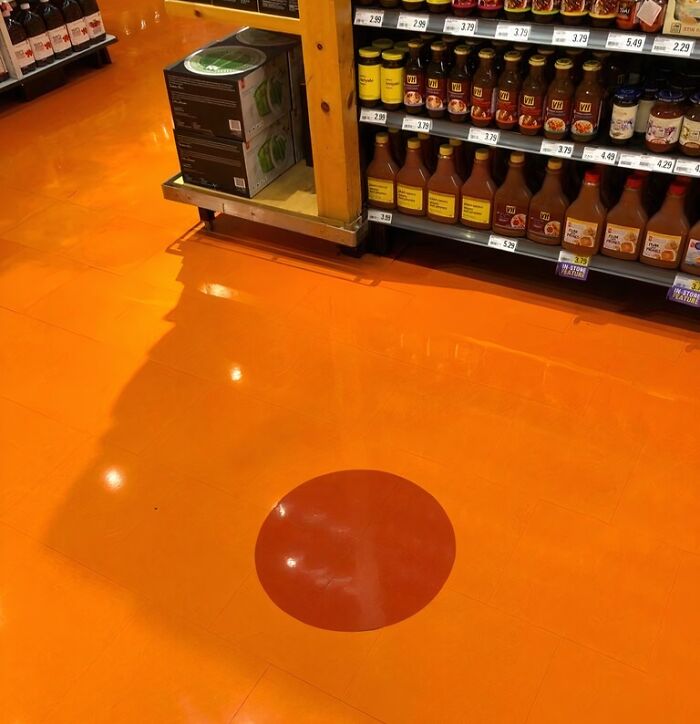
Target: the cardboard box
pixel 230 89
pixel 683 18
pixel 236 167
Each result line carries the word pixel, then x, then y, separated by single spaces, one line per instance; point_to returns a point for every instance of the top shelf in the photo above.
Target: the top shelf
pixel 239 18
pixel 540 34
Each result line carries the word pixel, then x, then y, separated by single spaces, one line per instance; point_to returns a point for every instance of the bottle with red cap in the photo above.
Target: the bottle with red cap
pixel 626 223
pixel 667 230
pixel 585 218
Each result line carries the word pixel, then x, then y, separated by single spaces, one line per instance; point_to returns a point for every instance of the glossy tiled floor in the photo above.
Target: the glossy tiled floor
pixel 160 392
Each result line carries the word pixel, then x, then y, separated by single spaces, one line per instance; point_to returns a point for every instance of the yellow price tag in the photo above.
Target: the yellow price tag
pixel 582 260
pixel 695 285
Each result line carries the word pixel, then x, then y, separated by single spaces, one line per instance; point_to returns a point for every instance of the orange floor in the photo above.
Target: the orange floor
pixel 161 391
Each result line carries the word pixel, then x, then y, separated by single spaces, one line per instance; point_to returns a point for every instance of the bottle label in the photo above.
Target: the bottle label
pixel 506 107
pixel 392 85
pixel 545 7
pixel 41 46
pixel 443 205
pixel 580 233
pixel 603 9
pixel 370 82
pixel 489 4
pixel 692 256
pixel 60 39
pixel 663 131
pixel 516 6
pixel 557 116
pixel 95 26
pixel 458 99
pixel 510 216
pixel 622 122
pixel 476 210
pixel 531 111
pixel 24 55
pixel 543 224
pixel 574 8
pixel 79 34
pixel 409 197
pixel 414 89
pixel 436 94
pixel 463 4
pixel 586 117
pixel 380 190
pixel 664 247
pixel 621 238
pixel 690 134
pixel 483 102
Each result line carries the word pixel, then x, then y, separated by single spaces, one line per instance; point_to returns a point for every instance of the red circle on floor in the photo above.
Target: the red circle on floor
pixel 355 550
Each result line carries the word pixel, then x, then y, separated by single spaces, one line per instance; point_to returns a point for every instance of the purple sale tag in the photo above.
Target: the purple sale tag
pixel 683 295
pixel 572 271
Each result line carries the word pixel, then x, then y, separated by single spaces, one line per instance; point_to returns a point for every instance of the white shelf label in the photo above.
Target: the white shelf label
pixel 371 18
pixel 503 243
pixel 687 167
pixel 571 38
pixel 409 21
pixel 658 163
pixel 369 115
pixel 511 31
pixel 457 26
pixel 419 125
pixel 379 217
pixel 600 155
pixel 673 46
pixel 484 135
pixel 557 148
pixel 631 160
pixel 623 41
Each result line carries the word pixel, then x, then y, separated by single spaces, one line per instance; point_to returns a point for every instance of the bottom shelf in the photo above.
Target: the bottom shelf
pixel 606 265
pixel 287 203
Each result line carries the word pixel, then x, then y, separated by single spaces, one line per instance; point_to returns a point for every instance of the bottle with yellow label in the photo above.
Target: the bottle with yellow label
pixel 412 182
pixel 369 77
pixel 478 192
pixel 381 175
pixel 392 75
pixel 444 189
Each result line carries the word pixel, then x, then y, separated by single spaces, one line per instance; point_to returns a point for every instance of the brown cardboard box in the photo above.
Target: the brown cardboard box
pixel 683 18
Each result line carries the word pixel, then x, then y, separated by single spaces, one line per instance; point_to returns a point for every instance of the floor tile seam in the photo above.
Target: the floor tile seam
pixel 631 470
pixel 547 669
pixel 46 416
pixel 381 634
pixel 250 692
pixel 29 216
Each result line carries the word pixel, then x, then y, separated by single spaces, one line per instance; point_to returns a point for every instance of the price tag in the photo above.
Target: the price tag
pixel 379 217
pixel 457 26
pixel 368 115
pixel 408 21
pixel 420 125
pixel 654 163
pixel 687 167
pixel 573 266
pixel 631 160
pixel 673 46
pixel 571 38
pixel 484 135
pixel 600 155
pixel 623 41
pixel 503 243
pixel 685 290
pixel 511 31
pixel 371 18
pixel 557 148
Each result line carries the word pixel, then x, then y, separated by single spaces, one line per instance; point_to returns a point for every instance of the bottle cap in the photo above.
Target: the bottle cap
pixel 677 189
pixel 402 46
pixel 456 142
pixel 383 43
pixel 591 177
pixel 392 55
pixel 537 61
pixel 369 52
pixel 512 56
pixel 592 65
pixel 482 154
pixel 415 44
pixel 695 98
pixel 423 136
pixel 446 150
pixel 670 96
pixel 462 50
pixel 439 46
pixel 564 64
pixel 413 143
pixel 517 157
pixel 485 53
pixel 633 182
pixel 382 138
pixel 627 93
pixel 554 164
pixel 546 51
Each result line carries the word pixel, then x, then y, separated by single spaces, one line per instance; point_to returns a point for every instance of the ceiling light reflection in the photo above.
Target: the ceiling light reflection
pixel 217 290
pixel 236 374
pixel 114 479
pixel 291 562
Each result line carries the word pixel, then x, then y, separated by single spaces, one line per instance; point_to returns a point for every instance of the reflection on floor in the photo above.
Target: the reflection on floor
pixel 161 390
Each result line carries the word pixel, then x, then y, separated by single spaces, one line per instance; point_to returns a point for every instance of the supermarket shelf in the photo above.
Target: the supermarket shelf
pixel 625 156
pixel 235 18
pixel 540 34
pixel 605 265
pixel 72 58
pixel 8 84
pixel 288 203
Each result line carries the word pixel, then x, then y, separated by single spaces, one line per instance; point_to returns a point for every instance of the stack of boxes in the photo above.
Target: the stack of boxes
pixel 238 111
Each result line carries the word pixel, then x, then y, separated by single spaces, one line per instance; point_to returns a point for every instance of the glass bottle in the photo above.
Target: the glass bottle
pixel 585 218
pixel 545 11
pixel 463 8
pixel 573 12
pixel 36 34
pixel 517 10
pixel 21 49
pixel 512 200
pixel 588 101
pixel 412 182
pixel 369 77
pixel 459 156
pixel 75 22
pixel 444 189
pixel 483 93
pixel 56 28
pixel 436 81
pixel 392 75
pixel 508 92
pixel 381 175
pixel 559 101
pixel 690 261
pixel 93 20
pixel 532 95
pixel 545 219
pixel 458 87
pixel 478 192
pixel 623 116
pixel 414 84
pixel 626 223
pixel 690 130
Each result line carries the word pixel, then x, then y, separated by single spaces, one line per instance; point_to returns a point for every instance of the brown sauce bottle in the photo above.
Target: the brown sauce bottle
pixel 690 262
pixel 414 83
pixel 626 223
pixel 559 101
pixel 458 87
pixel 436 81
pixel 512 200
pixel 588 102
pixel 532 97
pixel 484 89
pixel 667 231
pixel 508 92
pixel 585 218
pixel 478 192
pixel 412 182
pixel 381 175
pixel 444 189
pixel 545 219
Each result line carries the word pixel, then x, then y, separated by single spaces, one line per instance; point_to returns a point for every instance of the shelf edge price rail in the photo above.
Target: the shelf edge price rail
pixel 369 115
pixel 369 18
pixel 379 216
pixel 409 21
pixel 417 124
pixel 571 38
pixel 503 243
pixel 459 26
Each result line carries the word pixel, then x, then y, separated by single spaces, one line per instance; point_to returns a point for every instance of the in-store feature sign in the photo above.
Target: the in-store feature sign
pixel 419 125
pixel 503 243
pixel 624 41
pixel 687 167
pixel 409 21
pixel 371 18
pixel 557 148
pixel 484 135
pixel 685 290
pixel 573 266
pixel 457 26
pixel 600 155
pixel 379 217
pixel 511 31
pixel 368 115
pixel 571 38
pixel 673 46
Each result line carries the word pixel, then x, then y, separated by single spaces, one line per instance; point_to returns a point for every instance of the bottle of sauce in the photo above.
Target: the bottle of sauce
pixel 512 200
pixel 412 182
pixel 463 8
pixel 559 101
pixel 56 29
pixel 36 34
pixel 646 103
pixel 545 219
pixel 483 93
pixel 573 12
pixel 690 262
pixel 93 20
pixel 21 49
pixel 381 175
pixel 369 77
pixel 690 130
pixel 517 10
pixel 382 44
pixel 545 11
pixel 478 193
pixel 393 73
pixel 489 8
pixel 75 22
pixel 508 92
pixel 626 18
pixel 436 81
pixel 651 15
pixel 459 157
pixel 532 96
pixel 603 12
pixel 626 223
pixel 427 151
pixel 667 231
pixel 548 53
pixel 585 218
pixel 458 87
pixel 444 189
pixel 665 121
pixel 624 114
pixel 414 84
pixel 413 6
pixel 397 146
pixel 588 101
